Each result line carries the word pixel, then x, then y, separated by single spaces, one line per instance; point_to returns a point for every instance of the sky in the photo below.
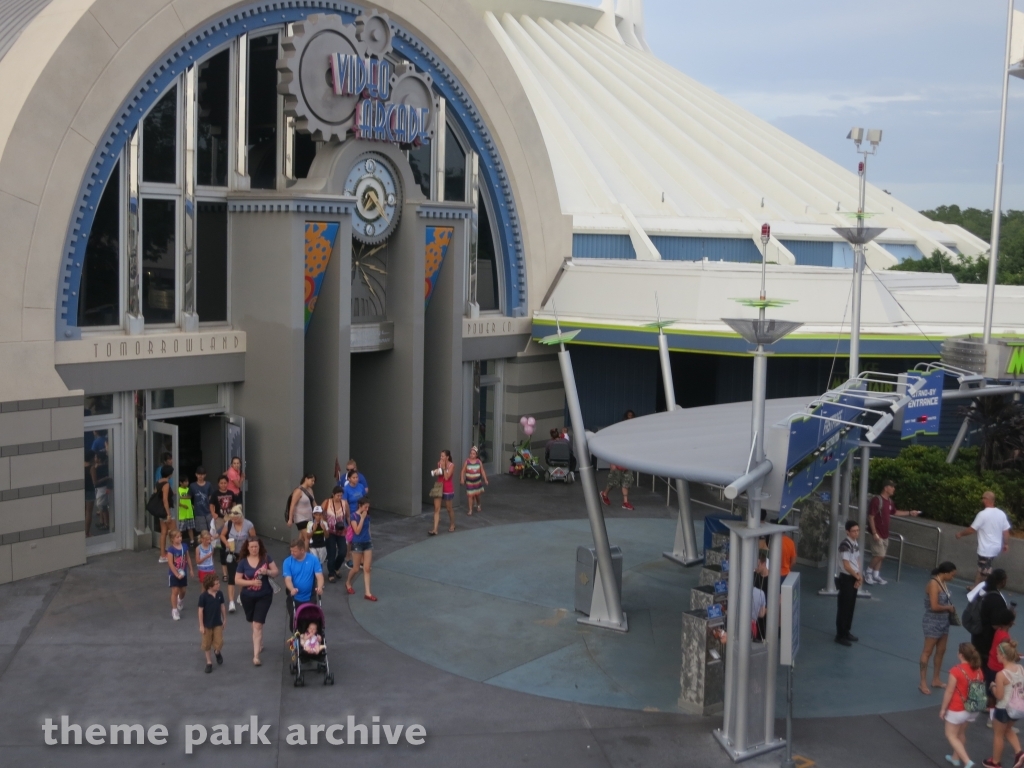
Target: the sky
pixel 927 72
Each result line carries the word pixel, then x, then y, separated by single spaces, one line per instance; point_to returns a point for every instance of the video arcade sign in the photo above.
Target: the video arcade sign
pixel 337 81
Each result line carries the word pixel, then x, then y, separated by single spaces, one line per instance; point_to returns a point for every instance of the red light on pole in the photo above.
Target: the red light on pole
pixel 860 168
pixel 766 233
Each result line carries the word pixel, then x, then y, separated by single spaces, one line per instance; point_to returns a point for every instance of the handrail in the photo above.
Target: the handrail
pixel 899 560
pixel 921 523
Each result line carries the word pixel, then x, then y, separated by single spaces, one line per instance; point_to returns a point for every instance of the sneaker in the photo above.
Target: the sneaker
pixel 869 579
pixel 988 762
pixel 880 580
pixel 1018 760
pixel 348 564
pixel 220 659
pixel 953 760
pixel 604 498
pixel 175 614
pixel 231 607
pixel 162 560
pixel 844 641
pixel 627 505
pixel 852 638
pixel 181 602
pixel 209 668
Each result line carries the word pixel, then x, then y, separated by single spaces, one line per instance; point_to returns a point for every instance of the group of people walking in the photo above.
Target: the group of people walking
pixel 325 534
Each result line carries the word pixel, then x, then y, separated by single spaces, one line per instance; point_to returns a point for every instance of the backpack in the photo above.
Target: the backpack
pixel 970 619
pixel 155 505
pixel 977 697
pixel 288 501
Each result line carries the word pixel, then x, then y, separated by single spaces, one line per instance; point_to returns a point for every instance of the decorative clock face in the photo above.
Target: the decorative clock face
pixel 369 281
pixel 377 188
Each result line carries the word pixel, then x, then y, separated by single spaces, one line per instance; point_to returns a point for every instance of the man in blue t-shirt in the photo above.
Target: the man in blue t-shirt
pixel 302 576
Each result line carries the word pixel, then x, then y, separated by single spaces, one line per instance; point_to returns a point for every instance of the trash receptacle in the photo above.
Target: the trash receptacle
pixel 715 523
pixel 586 574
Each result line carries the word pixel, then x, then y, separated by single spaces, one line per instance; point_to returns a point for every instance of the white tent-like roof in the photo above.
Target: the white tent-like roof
pixel 639 148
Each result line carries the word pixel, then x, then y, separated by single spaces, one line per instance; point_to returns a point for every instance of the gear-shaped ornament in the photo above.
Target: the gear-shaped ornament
pixel 307 82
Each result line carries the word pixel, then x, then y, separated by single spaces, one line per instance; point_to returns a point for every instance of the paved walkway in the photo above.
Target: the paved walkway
pixel 96 643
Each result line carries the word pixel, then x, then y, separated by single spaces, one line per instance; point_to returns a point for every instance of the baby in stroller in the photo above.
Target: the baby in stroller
pixel 307 644
pixel 312 641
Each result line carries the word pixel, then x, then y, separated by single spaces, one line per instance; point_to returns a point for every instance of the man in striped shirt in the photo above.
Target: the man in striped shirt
pixel 848 581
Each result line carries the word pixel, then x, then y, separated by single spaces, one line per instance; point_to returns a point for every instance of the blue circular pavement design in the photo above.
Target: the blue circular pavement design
pixel 495 605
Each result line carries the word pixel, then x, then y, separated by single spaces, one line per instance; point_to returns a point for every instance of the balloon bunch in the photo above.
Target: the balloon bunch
pixel 528 423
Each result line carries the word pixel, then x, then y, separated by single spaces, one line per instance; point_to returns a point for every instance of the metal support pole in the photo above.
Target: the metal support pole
pixel 997 206
pixel 731 624
pixel 606 609
pixel 858 279
pixel 743 639
pixel 833 534
pixel 960 437
pixel 788 762
pixel 684 549
pixel 862 508
pixel 757 432
pixel 844 502
pixel 772 630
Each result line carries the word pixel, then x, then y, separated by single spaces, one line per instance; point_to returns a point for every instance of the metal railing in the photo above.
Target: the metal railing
pixel 898 559
pixel 923 524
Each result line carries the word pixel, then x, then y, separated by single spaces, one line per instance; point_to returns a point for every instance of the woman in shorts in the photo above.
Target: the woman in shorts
pixel 362 548
pixel 233 536
pixel 938 607
pixel 953 710
pixel 1009 677
pixel 252 577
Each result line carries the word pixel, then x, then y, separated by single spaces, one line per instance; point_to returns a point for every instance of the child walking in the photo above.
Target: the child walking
pixel 178 560
pixel 204 556
pixel 186 515
pixel 213 617
pixel 963 700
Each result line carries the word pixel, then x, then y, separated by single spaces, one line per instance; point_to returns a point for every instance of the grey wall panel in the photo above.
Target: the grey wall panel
pixel 267 290
pixel 328 365
pixel 442 355
pixel 387 387
pixel 494 347
pixel 125 375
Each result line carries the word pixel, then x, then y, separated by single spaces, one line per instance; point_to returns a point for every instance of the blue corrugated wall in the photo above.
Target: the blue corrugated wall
pixel 810 254
pixel 588 246
pixel 611 380
pixel 712 248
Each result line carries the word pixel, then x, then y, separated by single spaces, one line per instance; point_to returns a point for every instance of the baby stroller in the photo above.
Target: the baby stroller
pixel 560 461
pixel 522 463
pixel 302 661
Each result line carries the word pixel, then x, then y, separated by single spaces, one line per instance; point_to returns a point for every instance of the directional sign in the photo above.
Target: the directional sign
pixel 921 415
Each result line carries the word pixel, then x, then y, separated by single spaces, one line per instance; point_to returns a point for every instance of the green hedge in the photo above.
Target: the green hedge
pixel 948 493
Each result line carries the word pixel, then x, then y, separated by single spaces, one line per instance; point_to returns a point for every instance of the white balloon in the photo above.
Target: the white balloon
pixel 531 421
pixel 522 420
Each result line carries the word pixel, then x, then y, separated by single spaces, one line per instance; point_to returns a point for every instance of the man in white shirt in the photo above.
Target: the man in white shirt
pixel 993 529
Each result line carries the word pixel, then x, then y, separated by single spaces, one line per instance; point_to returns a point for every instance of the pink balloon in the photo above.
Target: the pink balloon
pixel 528 430
pixel 522 420
pixel 531 421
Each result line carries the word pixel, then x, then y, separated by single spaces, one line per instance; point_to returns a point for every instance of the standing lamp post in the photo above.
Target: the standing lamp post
pixel 738 727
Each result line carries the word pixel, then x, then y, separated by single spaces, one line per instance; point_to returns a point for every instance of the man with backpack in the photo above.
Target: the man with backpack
pixel 880 511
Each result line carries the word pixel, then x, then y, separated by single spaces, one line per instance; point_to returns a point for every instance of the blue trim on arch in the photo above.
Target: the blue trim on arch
pixel 254 17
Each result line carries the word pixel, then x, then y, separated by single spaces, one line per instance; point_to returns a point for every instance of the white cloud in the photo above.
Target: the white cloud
pixel 772 106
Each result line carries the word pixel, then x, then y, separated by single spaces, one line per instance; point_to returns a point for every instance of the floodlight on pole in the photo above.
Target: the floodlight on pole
pixel 859 237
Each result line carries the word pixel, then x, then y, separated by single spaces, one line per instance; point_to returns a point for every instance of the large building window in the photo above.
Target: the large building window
pixel 487 295
pixel 454 168
pixel 159 259
pixel 420 163
pixel 212 262
pixel 263 112
pixel 213 127
pixel 160 140
pixel 99 300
